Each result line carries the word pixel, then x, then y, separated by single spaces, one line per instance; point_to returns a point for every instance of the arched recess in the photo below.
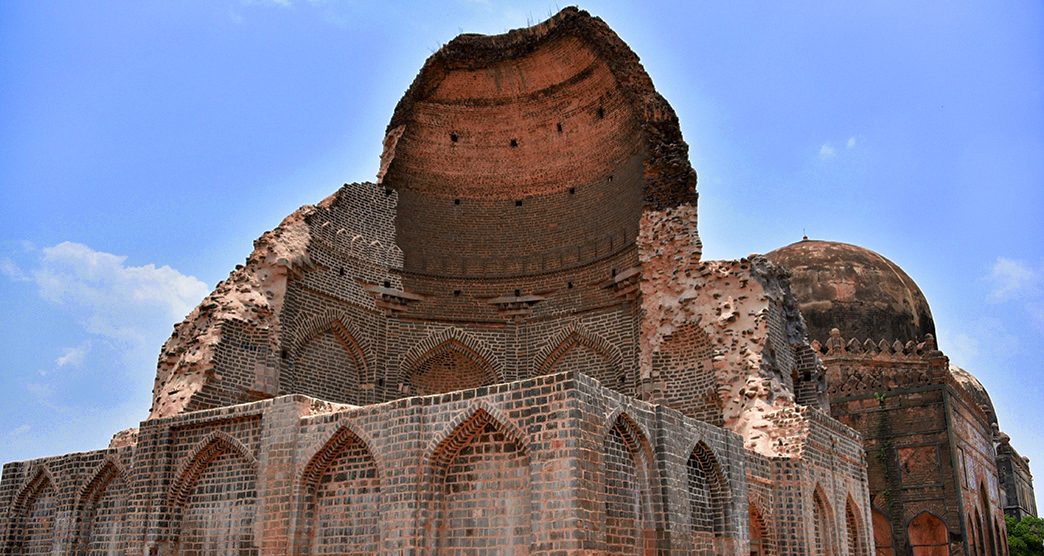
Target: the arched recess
pixel 980 534
pixel 708 491
pixel 574 348
pixel 340 498
pixel 31 529
pixel 854 529
pixel 683 360
pixel 101 509
pixel 479 474
pixel 760 541
pixel 972 542
pixel 628 477
pixel 448 361
pixel 822 524
pixel 327 360
pixel 928 536
pixel 213 499
pixel 1002 547
pixel 989 533
pixel 882 533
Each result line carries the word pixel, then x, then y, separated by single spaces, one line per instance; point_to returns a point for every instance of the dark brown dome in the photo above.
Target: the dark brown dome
pixel 976 390
pixel 855 290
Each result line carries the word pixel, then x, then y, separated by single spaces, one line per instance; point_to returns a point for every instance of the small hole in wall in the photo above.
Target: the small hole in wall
pixel 284 354
pixel 456 293
pixel 569 285
pixel 610 178
pixel 456 201
pixel 387 283
pixel 558 126
pixel 454 137
pixel 518 293
pixel 380 382
pixel 518 203
pixel 614 272
pixel 622 380
pixel 340 271
pixel 601 112
pixel 514 143
pixel 572 191
pixel 387 192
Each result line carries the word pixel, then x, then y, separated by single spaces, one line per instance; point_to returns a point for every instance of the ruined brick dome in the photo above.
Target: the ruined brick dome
pixel 976 390
pixel 531 151
pixel 855 290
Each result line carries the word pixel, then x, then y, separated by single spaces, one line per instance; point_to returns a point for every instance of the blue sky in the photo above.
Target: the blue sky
pixel 145 145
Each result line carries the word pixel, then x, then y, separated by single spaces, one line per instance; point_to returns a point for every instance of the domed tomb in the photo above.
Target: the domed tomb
pixel 977 391
pixel 855 290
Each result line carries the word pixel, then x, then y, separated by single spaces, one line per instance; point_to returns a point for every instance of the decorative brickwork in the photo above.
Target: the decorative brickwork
pixel 481 501
pixel 708 499
pixel 214 498
pixel 101 510
pixel 33 516
pixel 627 468
pixel 341 499
pixel 822 523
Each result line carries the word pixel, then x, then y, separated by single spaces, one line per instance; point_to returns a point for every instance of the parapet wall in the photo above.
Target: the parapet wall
pixel 556 464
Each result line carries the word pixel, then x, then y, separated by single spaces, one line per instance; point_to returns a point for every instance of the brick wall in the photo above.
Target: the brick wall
pixel 543 466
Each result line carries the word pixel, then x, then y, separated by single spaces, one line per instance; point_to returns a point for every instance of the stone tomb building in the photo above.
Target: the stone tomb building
pixel 936 458
pixel 509 344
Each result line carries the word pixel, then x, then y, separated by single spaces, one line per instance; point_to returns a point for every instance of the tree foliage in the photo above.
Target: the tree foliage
pixel 1026 537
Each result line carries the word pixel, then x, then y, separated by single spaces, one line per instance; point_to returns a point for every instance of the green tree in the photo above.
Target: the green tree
pixel 1026 537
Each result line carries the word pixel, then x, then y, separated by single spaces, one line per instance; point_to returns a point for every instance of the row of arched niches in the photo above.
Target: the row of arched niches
pixel 480 485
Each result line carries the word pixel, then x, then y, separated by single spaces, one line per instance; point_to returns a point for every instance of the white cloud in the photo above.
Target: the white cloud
pixel 18 431
pixel 112 298
pixel 73 356
pixel 10 269
pixel 826 151
pixel 851 142
pixel 1010 278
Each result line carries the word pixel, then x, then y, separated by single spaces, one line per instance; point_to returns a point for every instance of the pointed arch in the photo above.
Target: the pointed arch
pixel 882 533
pixel 990 536
pixel 709 497
pixel 927 535
pixel 479 465
pixel 980 539
pixel 684 360
pixel 1001 540
pixel 446 361
pixel 628 474
pixel 340 490
pixel 213 498
pixel 971 541
pixel 40 478
pixel 854 528
pixel 193 465
pixel 564 349
pixel 327 358
pixel 760 539
pixel 33 512
pixel 823 523
pixel 309 327
pixel 101 507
